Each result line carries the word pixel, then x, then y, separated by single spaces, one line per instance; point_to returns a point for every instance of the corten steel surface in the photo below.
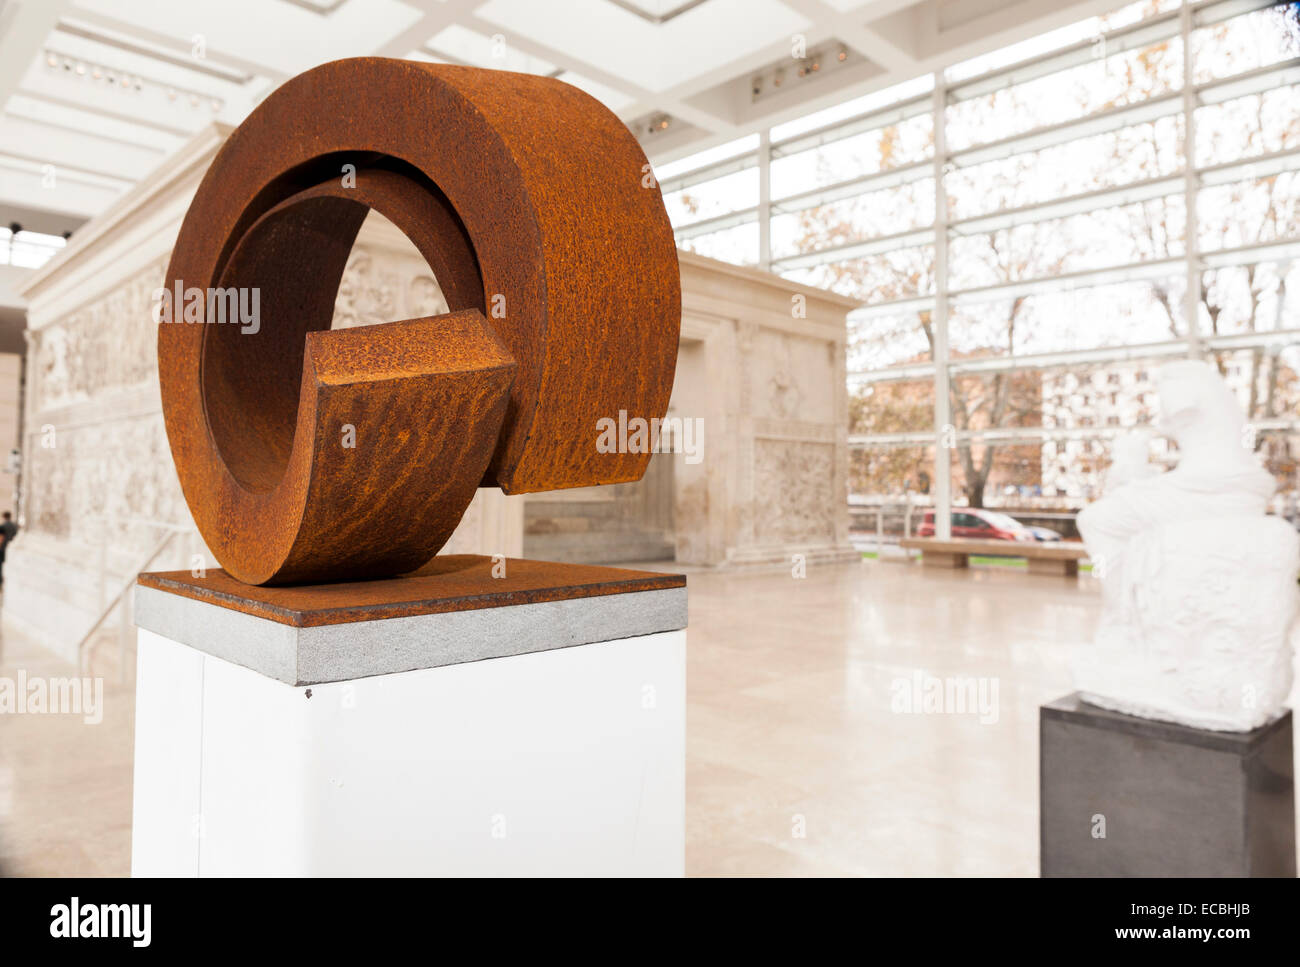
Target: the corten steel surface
pixel 531 203
pixel 455 582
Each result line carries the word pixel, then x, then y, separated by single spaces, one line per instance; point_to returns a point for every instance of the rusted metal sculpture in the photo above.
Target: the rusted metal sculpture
pixel 534 207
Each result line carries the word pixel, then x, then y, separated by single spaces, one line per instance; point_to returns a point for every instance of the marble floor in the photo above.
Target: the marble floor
pixel 801 758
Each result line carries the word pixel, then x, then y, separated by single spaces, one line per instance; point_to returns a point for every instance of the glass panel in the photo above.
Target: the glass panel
pixel 1265 381
pixel 1083 407
pixel 1075 469
pixel 1112 395
pixel 737 245
pixel 709 199
pixel 1135 153
pixel 989 400
pixel 901 274
pixel 1279 451
pixel 1245 43
pixel 893 407
pixel 874 101
pixel 1248 126
pixel 1069 320
pixel 1251 298
pixel 28 250
pixel 1001 475
pixel 862 154
pixel 894 340
pixel 854 219
pixel 892 471
pixel 1128 77
pixel 1140 232
pixel 1249 212
pixel 1267 385
pixel 703 159
pixel 1056 39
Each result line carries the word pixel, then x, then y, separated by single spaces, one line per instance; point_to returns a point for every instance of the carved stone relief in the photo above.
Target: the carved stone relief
pixel 788 375
pixel 108 344
pixel 381 286
pixel 794 488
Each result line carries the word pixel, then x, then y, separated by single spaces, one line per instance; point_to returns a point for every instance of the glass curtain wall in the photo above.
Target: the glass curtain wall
pixel 1032 233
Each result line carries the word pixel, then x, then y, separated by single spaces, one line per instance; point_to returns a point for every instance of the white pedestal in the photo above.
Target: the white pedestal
pixel 566 761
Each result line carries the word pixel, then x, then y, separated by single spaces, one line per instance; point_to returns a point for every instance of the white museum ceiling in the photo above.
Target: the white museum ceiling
pixel 97 93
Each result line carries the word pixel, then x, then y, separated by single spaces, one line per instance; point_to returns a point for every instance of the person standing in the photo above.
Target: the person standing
pixel 8 531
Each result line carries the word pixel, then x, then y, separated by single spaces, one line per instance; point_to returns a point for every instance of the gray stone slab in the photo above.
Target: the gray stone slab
pixel 1171 800
pixel 341 652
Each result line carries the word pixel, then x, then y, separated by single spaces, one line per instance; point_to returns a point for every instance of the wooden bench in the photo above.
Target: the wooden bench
pixel 1044 557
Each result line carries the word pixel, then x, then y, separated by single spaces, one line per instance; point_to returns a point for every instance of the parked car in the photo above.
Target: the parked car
pixel 1042 533
pixel 986 525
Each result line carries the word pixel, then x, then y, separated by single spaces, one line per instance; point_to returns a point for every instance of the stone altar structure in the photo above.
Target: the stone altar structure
pixel 761 362
pixel 760 371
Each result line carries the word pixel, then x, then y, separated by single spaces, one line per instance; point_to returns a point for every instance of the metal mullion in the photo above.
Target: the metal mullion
pixel 765 200
pixel 1254 81
pixel 1282 248
pixel 894 307
pixel 1191 185
pixel 1211 12
pixel 939 322
pixel 1127 272
pixel 860 248
pixel 908 373
pixel 1252 167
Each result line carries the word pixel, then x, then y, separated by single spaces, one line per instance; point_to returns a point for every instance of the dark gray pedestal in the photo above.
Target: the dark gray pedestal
pixel 1175 801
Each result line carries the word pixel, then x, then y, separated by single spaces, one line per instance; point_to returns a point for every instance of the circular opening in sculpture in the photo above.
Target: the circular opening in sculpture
pixel 281 280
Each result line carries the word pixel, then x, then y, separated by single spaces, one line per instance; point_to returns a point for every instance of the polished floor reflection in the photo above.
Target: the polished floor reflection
pixel 800 756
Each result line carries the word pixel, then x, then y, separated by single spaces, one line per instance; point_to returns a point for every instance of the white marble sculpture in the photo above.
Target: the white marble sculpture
pixel 1199 586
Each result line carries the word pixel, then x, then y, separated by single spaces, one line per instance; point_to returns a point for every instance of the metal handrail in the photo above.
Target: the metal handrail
pixel 119 598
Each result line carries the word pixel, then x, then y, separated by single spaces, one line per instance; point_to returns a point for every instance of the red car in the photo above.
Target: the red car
pixel 986 525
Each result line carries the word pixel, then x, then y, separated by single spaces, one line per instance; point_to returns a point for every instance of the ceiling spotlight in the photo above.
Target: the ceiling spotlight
pixel 97 74
pixel 843 54
pixel 194 100
pixel 816 65
pixel 777 78
pixel 51 60
pixel 216 104
pixel 126 81
pixel 81 70
pixel 171 93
